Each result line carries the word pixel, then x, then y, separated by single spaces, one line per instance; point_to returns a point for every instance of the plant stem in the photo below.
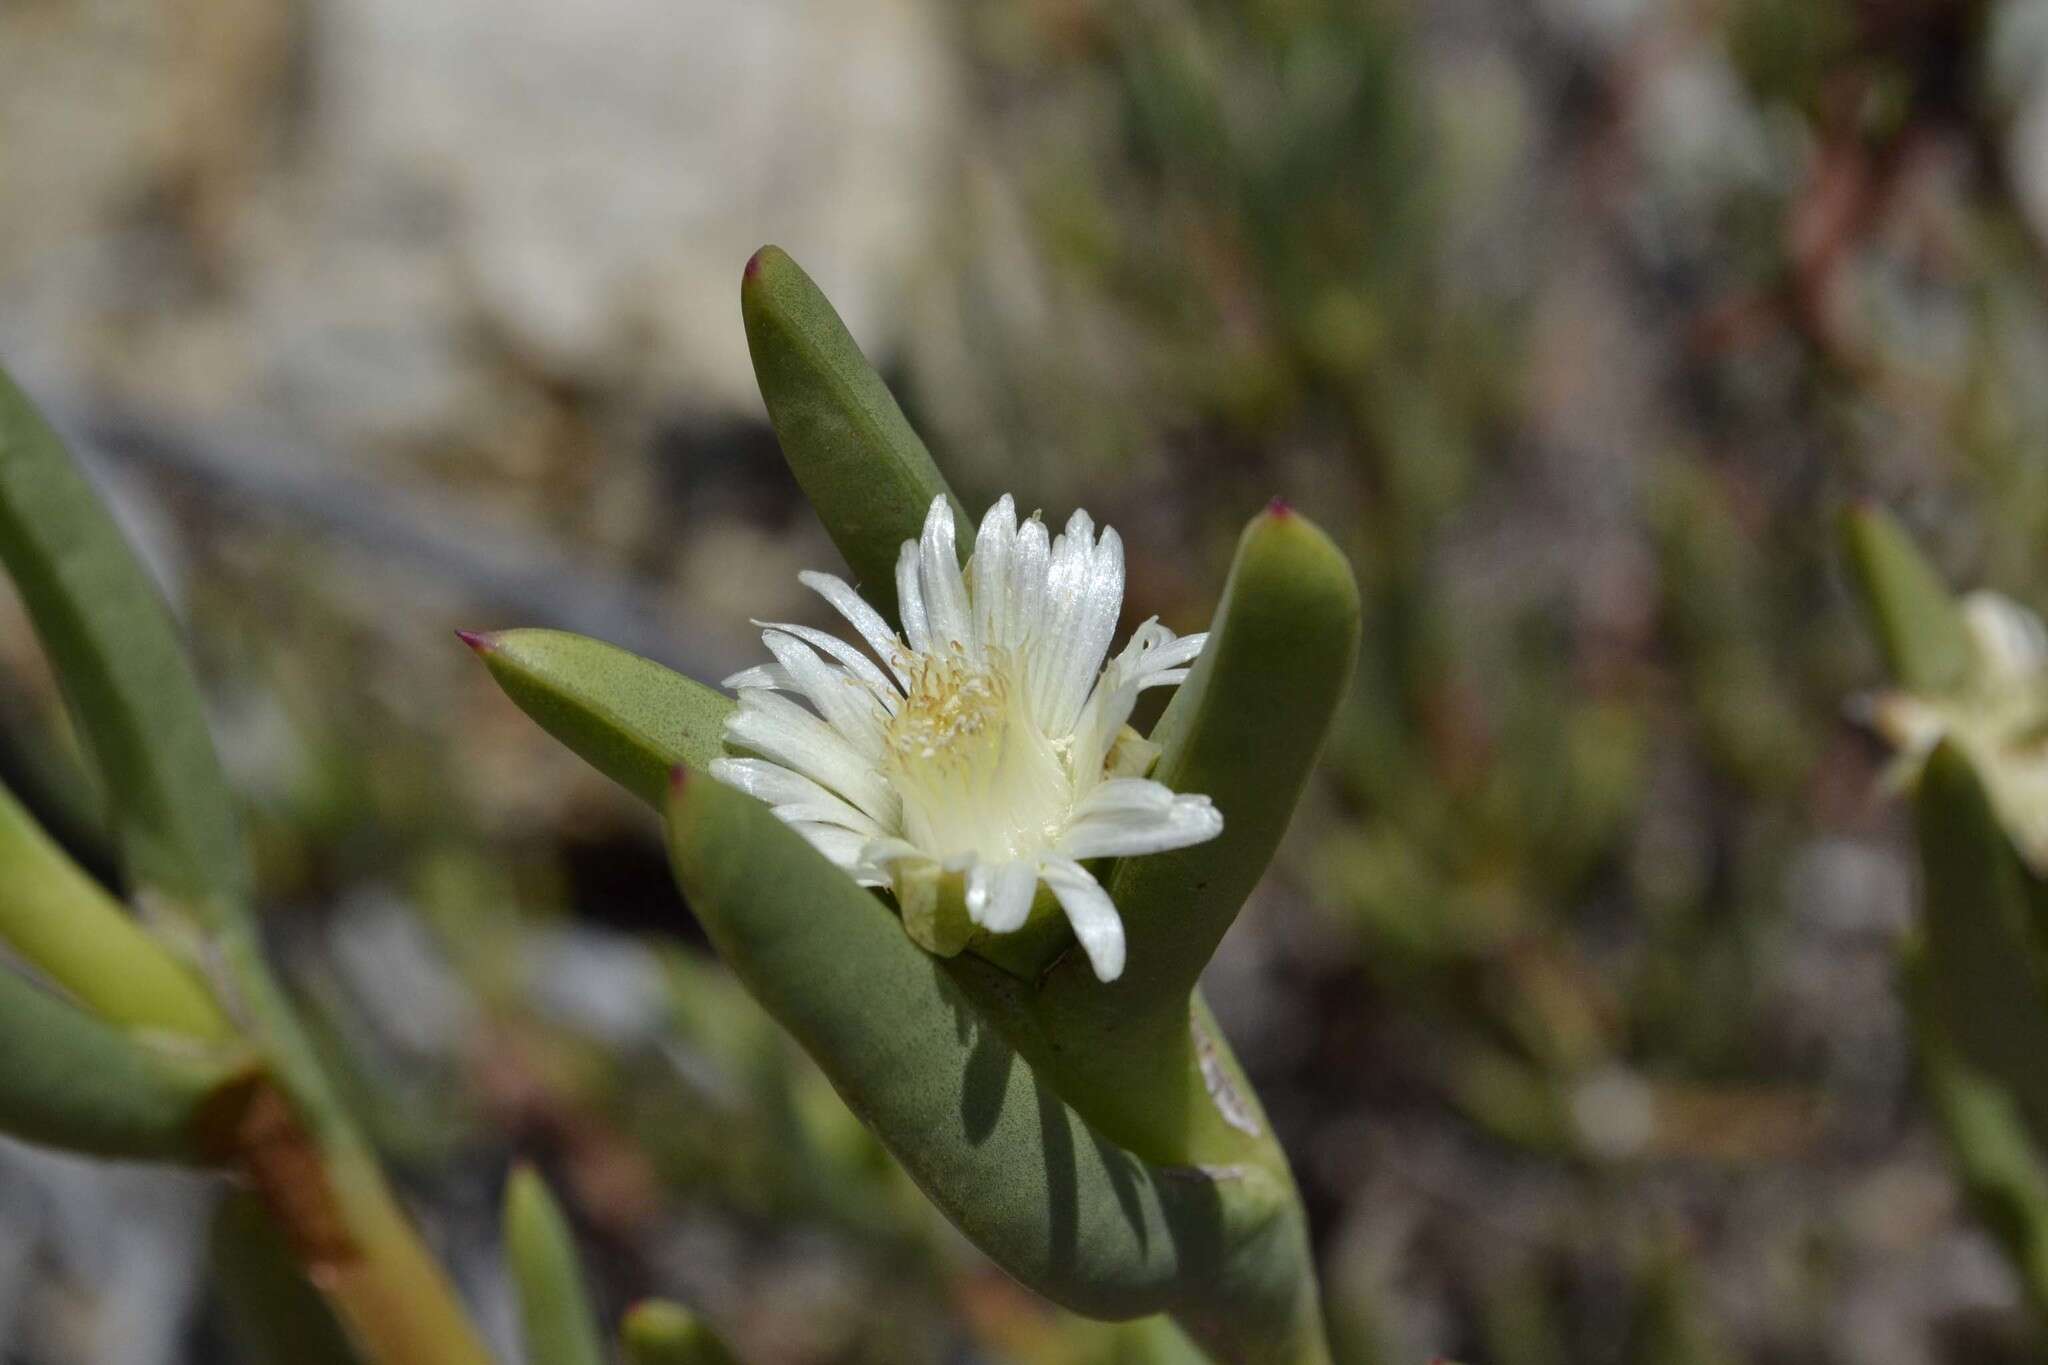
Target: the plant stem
pixel 318 1177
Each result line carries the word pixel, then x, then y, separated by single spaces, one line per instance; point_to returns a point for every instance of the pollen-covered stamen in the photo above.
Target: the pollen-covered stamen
pixel 975 774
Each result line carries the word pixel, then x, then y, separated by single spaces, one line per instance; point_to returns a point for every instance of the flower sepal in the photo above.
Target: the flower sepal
pixel 933 903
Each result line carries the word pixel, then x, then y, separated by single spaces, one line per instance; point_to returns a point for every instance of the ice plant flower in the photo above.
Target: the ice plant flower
pixel 1998 717
pixel 988 740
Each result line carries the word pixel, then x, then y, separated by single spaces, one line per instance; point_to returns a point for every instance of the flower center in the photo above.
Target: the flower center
pixel 973 770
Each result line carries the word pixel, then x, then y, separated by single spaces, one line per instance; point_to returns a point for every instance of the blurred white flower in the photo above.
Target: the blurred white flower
pixel 990 739
pixel 1998 717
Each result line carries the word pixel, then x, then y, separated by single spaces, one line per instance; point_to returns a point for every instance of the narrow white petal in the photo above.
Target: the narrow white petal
pixel 771 782
pixel 842 846
pixel 995 546
pixel 847 657
pixel 1026 609
pixel 1090 911
pixel 889 849
pixel 791 795
pixel 1006 892
pixel 1132 815
pixel 886 643
pixel 1066 573
pixel 770 677
pixel 945 591
pixel 1102 600
pixel 848 707
pixel 779 729
pixel 910 600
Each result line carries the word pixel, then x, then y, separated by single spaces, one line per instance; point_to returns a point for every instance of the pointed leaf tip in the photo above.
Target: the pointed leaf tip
pixel 481 641
pixel 1918 625
pixel 554 1304
pixel 865 471
pixel 1279 507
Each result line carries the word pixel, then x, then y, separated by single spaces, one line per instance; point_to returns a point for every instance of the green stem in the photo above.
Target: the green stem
pixel 59 919
pixel 323 1184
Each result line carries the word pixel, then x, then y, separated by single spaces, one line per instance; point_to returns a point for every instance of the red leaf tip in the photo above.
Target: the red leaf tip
pixel 678 778
pixel 482 641
pixel 1279 507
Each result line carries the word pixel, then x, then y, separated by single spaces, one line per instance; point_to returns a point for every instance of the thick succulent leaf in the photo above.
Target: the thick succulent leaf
pixel 658 1332
pixel 69 1080
pixel 865 471
pixel 273 1316
pixel 115 650
pixel 1919 626
pixel 554 1307
pixel 55 916
pixel 1984 977
pixel 1245 729
pixel 2000 1164
pixel 628 717
pixel 1065 1211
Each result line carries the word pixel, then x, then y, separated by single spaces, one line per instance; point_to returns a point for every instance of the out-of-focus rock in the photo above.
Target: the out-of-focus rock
pixel 446 196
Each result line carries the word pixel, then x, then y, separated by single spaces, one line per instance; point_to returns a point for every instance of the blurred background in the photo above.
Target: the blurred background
pixel 1577 321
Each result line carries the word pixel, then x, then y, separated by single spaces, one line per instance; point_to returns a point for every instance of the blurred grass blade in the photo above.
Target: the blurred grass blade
pixel 59 919
pixel 273 1316
pixel 554 1307
pixel 1068 1213
pixel 658 1332
pixel 864 470
pixel 628 717
pixel 1245 729
pixel 115 650
pixel 1919 626
pixel 1984 980
pixel 70 1081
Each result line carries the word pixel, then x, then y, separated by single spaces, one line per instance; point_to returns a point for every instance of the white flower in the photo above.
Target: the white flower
pixel 1998 717
pixel 988 741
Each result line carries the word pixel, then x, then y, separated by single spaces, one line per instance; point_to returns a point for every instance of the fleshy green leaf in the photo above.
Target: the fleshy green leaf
pixel 628 717
pixel 71 1081
pixel 1919 627
pixel 2000 1164
pixel 658 1332
pixel 273 1316
pixel 58 918
pixel 115 650
pixel 865 471
pixel 1067 1212
pixel 554 1307
pixel 1244 729
pixel 1984 970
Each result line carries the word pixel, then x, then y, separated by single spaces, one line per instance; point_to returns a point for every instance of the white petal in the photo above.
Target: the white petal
pixel 890 849
pixel 999 894
pixel 786 790
pixel 945 591
pixel 1131 815
pixel 1090 911
pixel 843 847
pixel 848 707
pixel 1026 609
pixel 910 600
pixel 1084 595
pixel 847 657
pixel 769 677
pixel 886 643
pixel 2010 639
pixel 779 729
pixel 995 547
